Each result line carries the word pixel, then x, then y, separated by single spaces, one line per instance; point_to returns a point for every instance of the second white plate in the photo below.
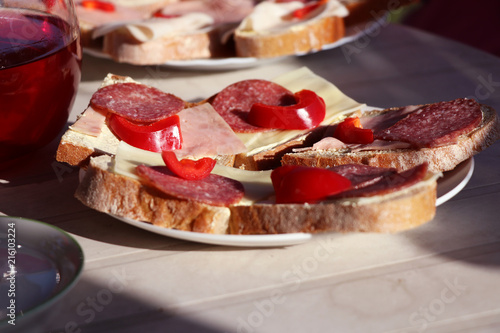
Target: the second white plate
pixel 232 63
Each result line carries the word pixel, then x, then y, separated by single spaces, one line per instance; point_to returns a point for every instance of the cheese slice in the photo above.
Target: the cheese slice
pixel 127 158
pixel 257 184
pixel 337 106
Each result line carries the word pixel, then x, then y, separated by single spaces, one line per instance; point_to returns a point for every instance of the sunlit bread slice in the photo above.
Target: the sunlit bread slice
pixel 200 44
pixel 440 159
pixel 108 192
pixel 76 148
pixel 388 213
pixel 300 38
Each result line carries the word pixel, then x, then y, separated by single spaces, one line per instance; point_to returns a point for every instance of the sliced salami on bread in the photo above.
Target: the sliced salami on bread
pixel 392 190
pixel 442 134
pixel 386 201
pixel 91 136
pixel 266 147
pixel 204 132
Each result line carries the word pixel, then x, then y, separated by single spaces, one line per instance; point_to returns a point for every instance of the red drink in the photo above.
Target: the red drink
pixel 40 61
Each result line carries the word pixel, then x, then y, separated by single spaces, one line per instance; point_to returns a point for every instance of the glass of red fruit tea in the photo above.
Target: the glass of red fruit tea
pixel 40 69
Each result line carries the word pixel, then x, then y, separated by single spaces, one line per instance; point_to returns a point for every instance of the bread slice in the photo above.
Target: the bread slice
pixel 106 191
pixel 440 159
pixel 388 213
pixel 76 148
pixel 298 38
pixel 265 149
pixel 199 43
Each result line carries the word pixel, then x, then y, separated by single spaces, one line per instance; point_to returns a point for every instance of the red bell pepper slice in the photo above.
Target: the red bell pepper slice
pixel 306 10
pixel 97 4
pixel 187 168
pixel 49 3
pixel 301 184
pixel 303 13
pixel 161 135
pixel 160 14
pixel 351 131
pixel 308 112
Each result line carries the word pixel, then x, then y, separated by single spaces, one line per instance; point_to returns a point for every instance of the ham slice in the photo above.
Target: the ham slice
pixel 205 133
pixel 331 143
pixel 90 122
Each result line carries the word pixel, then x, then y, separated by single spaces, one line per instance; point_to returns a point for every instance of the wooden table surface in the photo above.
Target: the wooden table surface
pixel 441 277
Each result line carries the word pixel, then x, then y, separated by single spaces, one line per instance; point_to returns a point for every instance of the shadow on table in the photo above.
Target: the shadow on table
pixel 108 307
pixel 466 229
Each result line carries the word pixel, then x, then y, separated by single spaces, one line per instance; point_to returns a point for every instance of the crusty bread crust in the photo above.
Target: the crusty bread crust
pixel 440 159
pixel 107 192
pixel 388 215
pixel 75 155
pixel 302 39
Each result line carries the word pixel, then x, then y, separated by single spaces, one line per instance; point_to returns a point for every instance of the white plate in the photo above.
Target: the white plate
pixel 235 62
pixel 229 240
pixel 203 64
pixel 48 262
pixel 454 181
pixel 449 185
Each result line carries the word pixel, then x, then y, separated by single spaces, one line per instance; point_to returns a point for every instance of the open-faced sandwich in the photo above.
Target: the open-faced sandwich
pixel 215 166
pixel 158 31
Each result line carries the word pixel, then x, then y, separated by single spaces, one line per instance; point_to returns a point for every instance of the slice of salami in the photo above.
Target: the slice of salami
pixel 362 175
pixel 136 102
pixel 214 190
pixel 383 120
pixel 390 182
pixel 233 103
pixel 436 124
